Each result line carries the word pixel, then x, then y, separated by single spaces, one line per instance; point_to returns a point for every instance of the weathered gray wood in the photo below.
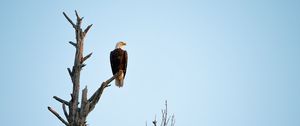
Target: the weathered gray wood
pixel 86 57
pixel 87 29
pixel 76 115
pixel 65 111
pixel 84 106
pixel 96 96
pixel 70 73
pixel 73 44
pixel 58 116
pixel 61 100
pixel 71 22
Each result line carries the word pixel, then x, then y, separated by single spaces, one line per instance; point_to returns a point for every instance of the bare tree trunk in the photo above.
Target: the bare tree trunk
pixel 76 116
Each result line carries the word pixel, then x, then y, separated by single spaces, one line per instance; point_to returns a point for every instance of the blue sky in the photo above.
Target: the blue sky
pixel 218 63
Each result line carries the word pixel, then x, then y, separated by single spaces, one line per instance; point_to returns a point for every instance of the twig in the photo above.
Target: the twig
pixel 73 43
pixel 86 57
pixel 65 111
pixel 61 100
pixel 87 29
pixel 71 22
pixel 58 116
pixel 77 15
pixel 70 72
pixel 164 117
pixel 79 20
pixel 173 120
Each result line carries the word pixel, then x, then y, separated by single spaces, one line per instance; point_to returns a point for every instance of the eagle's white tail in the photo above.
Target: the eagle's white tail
pixel 120 80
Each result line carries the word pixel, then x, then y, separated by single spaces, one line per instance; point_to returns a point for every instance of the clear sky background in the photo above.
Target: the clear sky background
pixel 218 63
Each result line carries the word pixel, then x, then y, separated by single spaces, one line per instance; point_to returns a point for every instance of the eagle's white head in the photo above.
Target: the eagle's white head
pixel 120 44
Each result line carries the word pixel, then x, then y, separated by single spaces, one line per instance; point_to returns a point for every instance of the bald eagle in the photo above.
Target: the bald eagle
pixel 118 62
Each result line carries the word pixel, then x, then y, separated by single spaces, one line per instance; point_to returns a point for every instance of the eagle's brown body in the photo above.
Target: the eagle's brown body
pixel 118 62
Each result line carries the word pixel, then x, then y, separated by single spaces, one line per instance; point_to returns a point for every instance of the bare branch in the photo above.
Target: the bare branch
pixel 58 116
pixel 70 72
pixel 162 118
pixel 165 115
pixel 167 122
pixel 173 120
pixel 61 100
pixel 73 43
pixel 86 57
pixel 87 29
pixel 79 20
pixel 165 119
pixel 65 111
pixel 77 15
pixel 96 96
pixel 71 22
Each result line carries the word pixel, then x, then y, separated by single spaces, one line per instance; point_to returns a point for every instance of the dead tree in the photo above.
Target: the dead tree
pixel 165 119
pixel 76 115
